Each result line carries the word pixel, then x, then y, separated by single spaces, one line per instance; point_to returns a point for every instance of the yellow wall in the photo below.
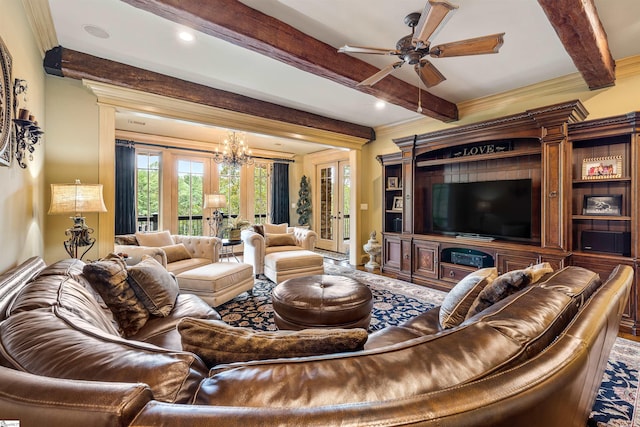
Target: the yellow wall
pixel 22 206
pixel 71 153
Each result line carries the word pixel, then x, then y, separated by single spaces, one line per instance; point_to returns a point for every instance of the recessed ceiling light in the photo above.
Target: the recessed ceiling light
pixel 380 105
pixel 186 36
pixel 96 31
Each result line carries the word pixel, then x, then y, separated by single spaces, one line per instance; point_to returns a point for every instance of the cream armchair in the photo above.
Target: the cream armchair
pixel 257 247
pixel 200 250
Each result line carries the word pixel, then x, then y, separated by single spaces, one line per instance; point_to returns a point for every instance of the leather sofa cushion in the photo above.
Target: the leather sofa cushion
pixel 163 331
pixel 457 302
pixel 42 342
pixel 126 239
pixel 109 277
pixel 512 330
pixel 216 342
pixel 72 300
pixel 507 284
pixel 154 286
pixel 176 252
pixel 155 239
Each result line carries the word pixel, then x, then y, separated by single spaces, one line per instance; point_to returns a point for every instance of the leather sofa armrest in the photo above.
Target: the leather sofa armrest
pixel 305 238
pixel 135 253
pixel 201 246
pixel 254 250
pixel 38 400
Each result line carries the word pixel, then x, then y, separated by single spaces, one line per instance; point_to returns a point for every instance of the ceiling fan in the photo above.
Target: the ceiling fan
pixel 413 48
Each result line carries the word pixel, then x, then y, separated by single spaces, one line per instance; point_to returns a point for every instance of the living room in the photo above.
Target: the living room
pixel 78 119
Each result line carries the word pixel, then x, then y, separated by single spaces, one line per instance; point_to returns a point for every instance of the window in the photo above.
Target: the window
pixel 229 185
pixel 261 193
pixel 148 190
pixel 190 197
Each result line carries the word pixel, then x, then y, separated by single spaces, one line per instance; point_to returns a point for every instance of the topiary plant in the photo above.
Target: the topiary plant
pixel 303 208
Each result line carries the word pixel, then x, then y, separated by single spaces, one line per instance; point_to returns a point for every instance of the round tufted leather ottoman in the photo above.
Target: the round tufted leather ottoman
pixel 322 301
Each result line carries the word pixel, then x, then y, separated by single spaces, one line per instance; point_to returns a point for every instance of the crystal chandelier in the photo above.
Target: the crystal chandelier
pixel 235 151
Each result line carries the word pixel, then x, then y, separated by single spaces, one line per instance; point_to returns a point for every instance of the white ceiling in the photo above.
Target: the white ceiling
pixel 531 52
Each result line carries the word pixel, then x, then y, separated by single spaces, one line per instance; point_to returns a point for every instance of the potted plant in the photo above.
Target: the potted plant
pixel 235 226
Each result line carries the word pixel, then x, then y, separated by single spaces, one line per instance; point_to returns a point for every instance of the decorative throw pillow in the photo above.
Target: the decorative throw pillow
pixel 507 284
pixel 176 252
pixel 275 228
pixel 126 239
pixel 156 239
pixel 285 239
pixel 457 302
pixel 258 228
pixel 108 277
pixel 216 342
pixel 156 288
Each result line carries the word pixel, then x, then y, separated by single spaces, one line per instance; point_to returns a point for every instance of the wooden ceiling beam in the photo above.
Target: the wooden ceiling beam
pixel 579 28
pixel 232 21
pixel 77 65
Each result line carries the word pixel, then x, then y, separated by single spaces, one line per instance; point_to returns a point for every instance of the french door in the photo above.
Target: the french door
pixel 333 181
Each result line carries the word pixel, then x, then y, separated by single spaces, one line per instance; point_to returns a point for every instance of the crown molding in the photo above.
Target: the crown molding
pixel 172 142
pixel 39 17
pixel 178 109
pixel 625 68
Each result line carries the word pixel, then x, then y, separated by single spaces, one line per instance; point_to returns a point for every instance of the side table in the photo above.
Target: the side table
pixel 227 249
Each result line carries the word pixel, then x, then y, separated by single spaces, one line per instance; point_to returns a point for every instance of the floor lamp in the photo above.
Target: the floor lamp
pixel 215 202
pixel 77 199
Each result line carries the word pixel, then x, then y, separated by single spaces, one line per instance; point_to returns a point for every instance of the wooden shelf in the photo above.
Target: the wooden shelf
pixel 392 211
pixel 479 157
pixel 601 218
pixel 601 181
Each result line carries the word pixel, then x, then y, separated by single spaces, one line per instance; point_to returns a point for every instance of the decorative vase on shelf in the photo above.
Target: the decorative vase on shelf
pixel 373 249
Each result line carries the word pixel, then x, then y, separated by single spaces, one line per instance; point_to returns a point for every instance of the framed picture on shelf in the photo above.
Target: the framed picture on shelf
pixel 605 205
pixel 397 203
pixel 392 182
pixel 602 167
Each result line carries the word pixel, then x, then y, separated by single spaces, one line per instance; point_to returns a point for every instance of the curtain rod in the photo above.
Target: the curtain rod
pixel 128 143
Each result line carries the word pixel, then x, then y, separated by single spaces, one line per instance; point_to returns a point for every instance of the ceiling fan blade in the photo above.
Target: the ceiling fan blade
pixel 476 46
pixel 381 74
pixel 429 75
pixel 373 50
pixel 431 20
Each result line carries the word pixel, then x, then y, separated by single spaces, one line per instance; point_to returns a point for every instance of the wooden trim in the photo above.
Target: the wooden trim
pixel 69 63
pixel 577 24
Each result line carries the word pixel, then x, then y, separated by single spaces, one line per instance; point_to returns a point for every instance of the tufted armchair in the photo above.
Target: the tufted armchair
pixel 256 245
pixel 169 250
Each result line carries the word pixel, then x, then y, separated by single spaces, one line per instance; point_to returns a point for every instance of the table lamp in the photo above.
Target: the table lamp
pixel 215 202
pixel 77 199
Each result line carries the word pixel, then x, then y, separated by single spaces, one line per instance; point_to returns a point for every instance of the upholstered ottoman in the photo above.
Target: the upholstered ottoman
pixel 280 266
pixel 321 301
pixel 217 283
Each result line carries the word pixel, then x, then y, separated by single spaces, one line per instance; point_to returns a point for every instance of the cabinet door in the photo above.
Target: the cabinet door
pixel 515 261
pixel 391 253
pixel 405 261
pixel 425 259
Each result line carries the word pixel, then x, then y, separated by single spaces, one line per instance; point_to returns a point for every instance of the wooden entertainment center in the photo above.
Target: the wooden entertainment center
pixel 584 207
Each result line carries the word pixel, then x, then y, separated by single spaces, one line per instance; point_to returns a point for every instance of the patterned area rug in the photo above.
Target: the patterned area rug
pixel 396 301
pixel 336 256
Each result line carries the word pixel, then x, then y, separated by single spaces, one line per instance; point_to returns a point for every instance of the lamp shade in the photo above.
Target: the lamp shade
pixel 76 198
pixel 215 201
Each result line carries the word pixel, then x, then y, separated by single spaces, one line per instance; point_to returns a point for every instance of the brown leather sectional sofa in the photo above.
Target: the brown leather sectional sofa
pixel 534 358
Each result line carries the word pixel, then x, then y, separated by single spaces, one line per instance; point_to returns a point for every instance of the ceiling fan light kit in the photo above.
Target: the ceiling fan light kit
pixel 413 48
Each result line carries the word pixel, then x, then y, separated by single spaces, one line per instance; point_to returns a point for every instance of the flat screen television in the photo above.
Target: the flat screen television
pixel 498 209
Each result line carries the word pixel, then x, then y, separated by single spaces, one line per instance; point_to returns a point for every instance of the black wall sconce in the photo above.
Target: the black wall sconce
pixel 28 133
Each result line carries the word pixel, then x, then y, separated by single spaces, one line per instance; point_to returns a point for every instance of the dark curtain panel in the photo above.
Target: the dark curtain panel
pixel 280 192
pixel 125 188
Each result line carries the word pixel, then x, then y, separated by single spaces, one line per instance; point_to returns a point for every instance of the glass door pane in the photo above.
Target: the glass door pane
pixel 190 197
